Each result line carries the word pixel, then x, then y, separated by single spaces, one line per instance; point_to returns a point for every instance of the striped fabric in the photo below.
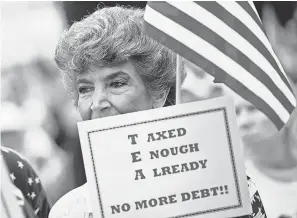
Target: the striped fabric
pixel 228 41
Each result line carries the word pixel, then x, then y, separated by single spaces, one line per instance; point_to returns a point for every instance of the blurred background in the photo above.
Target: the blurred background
pixel 38 119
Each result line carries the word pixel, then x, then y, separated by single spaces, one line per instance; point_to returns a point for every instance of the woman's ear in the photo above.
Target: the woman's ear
pixel 161 99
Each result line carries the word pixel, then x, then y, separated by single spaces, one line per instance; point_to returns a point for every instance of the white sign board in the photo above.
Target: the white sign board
pixel 179 161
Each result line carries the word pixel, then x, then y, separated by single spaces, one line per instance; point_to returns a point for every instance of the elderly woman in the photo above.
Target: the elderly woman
pixel 111 67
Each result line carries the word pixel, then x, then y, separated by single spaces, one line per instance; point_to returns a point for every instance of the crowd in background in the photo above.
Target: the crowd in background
pixel 38 119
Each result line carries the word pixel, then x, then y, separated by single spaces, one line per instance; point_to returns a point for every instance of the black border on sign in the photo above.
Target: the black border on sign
pixel 223 109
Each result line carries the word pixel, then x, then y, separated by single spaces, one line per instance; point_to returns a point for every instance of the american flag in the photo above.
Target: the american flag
pixel 228 41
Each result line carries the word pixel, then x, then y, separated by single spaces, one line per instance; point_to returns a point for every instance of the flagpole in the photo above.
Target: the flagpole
pixel 178 79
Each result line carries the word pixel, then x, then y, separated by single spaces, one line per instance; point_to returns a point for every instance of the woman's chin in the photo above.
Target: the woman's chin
pixel 257 144
pixel 252 142
pixel 255 136
pixel 250 139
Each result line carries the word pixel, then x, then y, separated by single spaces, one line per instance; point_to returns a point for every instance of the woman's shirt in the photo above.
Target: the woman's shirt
pixel 27 181
pixel 76 204
pixel 275 183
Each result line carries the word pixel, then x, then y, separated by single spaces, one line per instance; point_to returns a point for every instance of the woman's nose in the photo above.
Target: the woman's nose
pixel 100 101
pixel 245 121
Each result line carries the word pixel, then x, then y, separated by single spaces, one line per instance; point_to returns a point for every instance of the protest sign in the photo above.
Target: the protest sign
pixel 179 161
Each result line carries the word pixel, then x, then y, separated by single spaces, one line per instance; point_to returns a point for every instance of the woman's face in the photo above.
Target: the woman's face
pixel 109 91
pixel 253 125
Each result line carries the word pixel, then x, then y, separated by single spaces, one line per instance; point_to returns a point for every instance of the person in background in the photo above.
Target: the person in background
pixel 34 106
pixel 111 67
pixel 24 177
pixel 270 155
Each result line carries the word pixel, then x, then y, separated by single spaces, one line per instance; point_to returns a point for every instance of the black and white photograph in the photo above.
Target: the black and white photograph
pixel 128 109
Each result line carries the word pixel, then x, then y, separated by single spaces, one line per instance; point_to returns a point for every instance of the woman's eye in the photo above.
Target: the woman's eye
pixel 237 111
pixel 84 90
pixel 251 108
pixel 118 84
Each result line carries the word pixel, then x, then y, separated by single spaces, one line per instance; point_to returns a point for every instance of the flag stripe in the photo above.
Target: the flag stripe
pixel 282 71
pixel 222 14
pixel 245 18
pixel 252 5
pixel 213 69
pixel 212 54
pixel 251 12
pixel 233 38
pixel 199 29
pixel 249 6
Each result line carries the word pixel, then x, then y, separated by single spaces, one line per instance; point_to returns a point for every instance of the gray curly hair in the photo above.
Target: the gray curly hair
pixel 112 35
